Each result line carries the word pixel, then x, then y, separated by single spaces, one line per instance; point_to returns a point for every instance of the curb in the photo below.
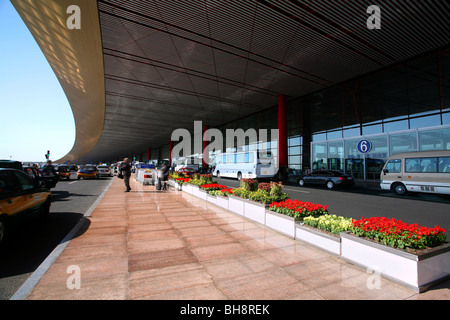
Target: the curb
pixel 31 282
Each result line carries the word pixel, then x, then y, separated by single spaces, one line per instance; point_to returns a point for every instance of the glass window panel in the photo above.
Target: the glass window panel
pixel 352 132
pixel 294 141
pixel 294 150
pixel 446 118
pixel 336 155
pixel 423 122
pixel 373 129
pixel 294 160
pixel 351 149
pixel 319 137
pixel 379 148
pixel 319 156
pixel 434 140
pixel 403 142
pixel 396 126
pixel 331 135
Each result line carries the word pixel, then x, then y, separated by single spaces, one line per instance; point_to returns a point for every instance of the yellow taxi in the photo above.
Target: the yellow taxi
pixel 63 171
pixel 21 199
pixel 88 171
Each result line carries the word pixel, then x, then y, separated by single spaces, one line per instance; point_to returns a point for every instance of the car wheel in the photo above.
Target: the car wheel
pixel 218 174
pixel 78 178
pixel 301 182
pixel 330 185
pixel 400 189
pixel 239 176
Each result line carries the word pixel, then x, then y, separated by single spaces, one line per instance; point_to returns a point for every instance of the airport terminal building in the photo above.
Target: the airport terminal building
pixel 346 85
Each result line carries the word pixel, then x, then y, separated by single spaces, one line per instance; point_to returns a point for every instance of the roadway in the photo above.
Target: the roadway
pixel 25 249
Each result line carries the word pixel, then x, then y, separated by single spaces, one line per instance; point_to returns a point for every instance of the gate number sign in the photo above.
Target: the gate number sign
pixel 364 146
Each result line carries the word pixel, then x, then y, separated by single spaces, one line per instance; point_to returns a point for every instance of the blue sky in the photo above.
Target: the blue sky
pixel 35 115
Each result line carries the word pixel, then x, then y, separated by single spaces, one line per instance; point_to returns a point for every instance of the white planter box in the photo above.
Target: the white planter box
pixel 417 272
pixel 211 199
pixel 202 194
pixel 187 187
pixel 281 223
pixel 222 202
pixel 255 211
pixel 196 191
pixel 236 205
pixel 318 239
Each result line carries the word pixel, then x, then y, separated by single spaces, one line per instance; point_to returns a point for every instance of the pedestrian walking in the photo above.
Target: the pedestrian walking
pixel 125 170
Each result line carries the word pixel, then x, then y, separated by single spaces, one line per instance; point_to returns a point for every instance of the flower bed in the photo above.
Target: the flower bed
pixel 298 209
pixel 329 223
pixel 397 234
pixel 182 181
pixel 264 193
pixel 213 187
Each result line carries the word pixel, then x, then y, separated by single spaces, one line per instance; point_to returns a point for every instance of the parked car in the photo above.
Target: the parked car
pixel 11 164
pixel 33 173
pixel 105 170
pixel 328 178
pixel 21 199
pixel 63 171
pixel 88 171
pixel 187 171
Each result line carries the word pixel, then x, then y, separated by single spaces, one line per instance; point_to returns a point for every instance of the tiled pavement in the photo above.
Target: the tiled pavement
pixel 148 244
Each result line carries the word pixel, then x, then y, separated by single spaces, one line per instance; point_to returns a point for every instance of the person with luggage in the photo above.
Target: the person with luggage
pixel 125 170
pixel 163 177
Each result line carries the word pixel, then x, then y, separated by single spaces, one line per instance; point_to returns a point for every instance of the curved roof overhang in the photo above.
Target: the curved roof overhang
pixel 76 58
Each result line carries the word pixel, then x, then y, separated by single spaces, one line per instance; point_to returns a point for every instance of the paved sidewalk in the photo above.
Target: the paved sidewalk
pixel 148 244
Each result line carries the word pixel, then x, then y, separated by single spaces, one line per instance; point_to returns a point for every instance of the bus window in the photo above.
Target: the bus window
pixel 230 158
pixel 240 158
pixel 444 164
pixel 394 166
pixel 421 165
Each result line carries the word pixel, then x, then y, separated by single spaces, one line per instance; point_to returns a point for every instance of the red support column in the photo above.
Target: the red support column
pixel 205 144
pixel 282 134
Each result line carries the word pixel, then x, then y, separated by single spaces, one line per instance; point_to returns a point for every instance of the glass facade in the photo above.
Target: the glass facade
pixel 402 108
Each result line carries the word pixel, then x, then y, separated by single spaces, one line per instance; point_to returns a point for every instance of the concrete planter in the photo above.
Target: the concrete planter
pixel 255 211
pixel 202 194
pixel 187 187
pixel 196 191
pixel 417 272
pixel 281 223
pixel 318 239
pixel 211 199
pixel 236 205
pixel 222 202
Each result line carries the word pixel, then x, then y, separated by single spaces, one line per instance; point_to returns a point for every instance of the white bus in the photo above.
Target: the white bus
pixel 425 171
pixel 244 164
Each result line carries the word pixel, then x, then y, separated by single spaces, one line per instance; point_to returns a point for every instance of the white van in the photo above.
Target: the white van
pixel 425 171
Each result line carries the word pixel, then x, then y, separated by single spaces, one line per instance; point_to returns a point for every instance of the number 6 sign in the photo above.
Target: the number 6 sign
pixel 364 146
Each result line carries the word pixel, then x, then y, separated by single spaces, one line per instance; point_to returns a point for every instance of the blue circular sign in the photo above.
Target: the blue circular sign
pixel 364 146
